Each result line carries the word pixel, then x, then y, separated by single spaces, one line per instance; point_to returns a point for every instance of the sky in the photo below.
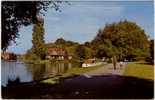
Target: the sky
pixel 80 21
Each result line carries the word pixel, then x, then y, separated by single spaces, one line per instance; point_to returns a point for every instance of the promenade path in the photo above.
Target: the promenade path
pixel 104 82
pixel 106 70
pixel 107 83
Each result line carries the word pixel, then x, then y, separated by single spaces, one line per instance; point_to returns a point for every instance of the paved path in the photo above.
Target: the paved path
pixel 104 82
pixel 106 70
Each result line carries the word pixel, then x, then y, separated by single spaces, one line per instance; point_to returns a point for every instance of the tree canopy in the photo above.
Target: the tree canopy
pixel 127 39
pixel 152 49
pixel 60 41
pixel 80 51
pixel 38 39
pixel 16 14
pixel 150 58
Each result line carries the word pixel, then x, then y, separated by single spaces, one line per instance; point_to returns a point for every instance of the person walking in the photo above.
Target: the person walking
pixel 121 64
pixel 114 61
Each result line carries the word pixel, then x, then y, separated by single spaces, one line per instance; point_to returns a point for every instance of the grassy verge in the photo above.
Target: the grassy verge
pixel 72 72
pixel 81 70
pixel 139 70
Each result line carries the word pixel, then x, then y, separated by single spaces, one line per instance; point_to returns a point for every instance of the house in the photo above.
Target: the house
pixel 88 62
pixel 91 63
pixel 56 54
pixel 8 56
pixel 69 57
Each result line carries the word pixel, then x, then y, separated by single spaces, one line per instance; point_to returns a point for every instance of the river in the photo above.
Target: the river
pixel 11 71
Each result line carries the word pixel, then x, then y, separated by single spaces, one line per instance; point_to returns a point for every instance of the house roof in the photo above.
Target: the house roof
pixel 8 56
pixel 7 53
pixel 89 61
pixel 56 51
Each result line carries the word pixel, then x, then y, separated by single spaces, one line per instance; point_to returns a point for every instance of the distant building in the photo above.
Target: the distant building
pixel 56 54
pixel 8 56
pixel 69 57
pixel 91 63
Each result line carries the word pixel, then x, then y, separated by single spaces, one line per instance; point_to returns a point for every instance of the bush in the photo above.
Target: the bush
pixel 31 57
pixel 150 60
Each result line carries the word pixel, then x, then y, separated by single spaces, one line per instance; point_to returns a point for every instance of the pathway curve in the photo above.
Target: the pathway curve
pixel 104 82
pixel 106 70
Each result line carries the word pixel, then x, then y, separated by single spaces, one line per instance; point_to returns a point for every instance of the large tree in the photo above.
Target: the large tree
pixel 152 50
pixel 60 41
pixel 105 50
pixel 38 39
pixel 150 58
pixel 80 51
pixel 127 38
pixel 16 14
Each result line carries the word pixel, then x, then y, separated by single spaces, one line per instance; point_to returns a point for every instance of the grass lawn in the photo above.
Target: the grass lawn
pixel 71 72
pixel 139 70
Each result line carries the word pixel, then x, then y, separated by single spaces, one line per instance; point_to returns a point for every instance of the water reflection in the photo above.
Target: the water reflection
pixel 29 72
pixel 12 71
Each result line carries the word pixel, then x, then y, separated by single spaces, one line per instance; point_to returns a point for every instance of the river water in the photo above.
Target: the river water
pixel 11 71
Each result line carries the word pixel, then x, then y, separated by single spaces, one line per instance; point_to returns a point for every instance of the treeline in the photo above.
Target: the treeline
pixel 76 50
pixel 125 40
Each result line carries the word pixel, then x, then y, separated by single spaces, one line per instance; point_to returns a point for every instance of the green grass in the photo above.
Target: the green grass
pixel 139 70
pixel 81 70
pixel 71 72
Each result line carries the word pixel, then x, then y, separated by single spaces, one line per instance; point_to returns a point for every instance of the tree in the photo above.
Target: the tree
pixel 150 58
pixel 63 42
pixel 152 50
pixel 60 41
pixel 104 51
pixel 38 39
pixel 87 44
pixel 80 52
pixel 30 56
pixel 16 14
pixel 127 38
pixel 71 43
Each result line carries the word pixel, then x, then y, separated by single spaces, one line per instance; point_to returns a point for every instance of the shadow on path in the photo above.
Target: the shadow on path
pixel 95 87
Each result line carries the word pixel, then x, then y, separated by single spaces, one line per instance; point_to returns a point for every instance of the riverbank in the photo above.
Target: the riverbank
pixel 29 73
pixel 45 61
pixel 75 71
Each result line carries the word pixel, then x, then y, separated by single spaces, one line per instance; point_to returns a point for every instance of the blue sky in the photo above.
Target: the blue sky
pixel 80 21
